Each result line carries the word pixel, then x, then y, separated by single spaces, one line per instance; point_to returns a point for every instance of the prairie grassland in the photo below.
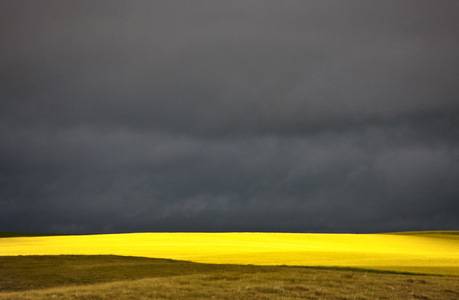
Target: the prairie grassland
pixel 422 252
pixel 114 277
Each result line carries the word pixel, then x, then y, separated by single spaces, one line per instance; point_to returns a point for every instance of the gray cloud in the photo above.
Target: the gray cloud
pixel 240 116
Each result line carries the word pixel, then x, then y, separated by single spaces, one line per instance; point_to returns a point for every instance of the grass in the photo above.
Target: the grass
pixel 439 232
pixel 230 266
pixel 116 277
pixel 7 234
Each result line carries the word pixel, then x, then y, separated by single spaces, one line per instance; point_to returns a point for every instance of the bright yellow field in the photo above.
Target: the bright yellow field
pixel 428 252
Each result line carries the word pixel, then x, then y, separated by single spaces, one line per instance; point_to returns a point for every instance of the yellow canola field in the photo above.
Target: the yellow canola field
pixel 434 253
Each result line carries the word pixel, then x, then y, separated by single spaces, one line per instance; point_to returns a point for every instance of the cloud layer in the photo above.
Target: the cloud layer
pixel 229 116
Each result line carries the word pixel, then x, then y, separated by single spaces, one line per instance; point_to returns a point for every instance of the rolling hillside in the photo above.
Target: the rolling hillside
pixel 418 252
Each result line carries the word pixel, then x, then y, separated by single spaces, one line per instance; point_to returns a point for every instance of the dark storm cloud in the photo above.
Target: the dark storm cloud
pixel 241 115
pixel 228 68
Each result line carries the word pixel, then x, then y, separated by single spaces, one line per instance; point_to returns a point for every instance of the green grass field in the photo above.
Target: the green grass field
pixel 116 277
pixel 26 275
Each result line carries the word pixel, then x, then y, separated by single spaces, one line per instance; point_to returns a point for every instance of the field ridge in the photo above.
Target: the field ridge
pixel 434 252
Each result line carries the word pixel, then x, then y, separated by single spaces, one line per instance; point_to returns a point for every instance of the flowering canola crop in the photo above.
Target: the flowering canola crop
pixel 427 252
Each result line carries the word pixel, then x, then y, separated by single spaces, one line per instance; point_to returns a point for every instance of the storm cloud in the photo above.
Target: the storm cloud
pixel 294 116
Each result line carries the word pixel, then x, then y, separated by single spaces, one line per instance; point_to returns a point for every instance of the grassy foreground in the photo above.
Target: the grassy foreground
pixel 418 252
pixel 115 277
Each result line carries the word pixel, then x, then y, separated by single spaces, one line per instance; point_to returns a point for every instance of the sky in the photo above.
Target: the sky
pixel 215 116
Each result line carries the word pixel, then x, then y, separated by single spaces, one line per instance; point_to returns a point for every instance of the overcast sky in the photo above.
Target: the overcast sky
pixel 290 116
